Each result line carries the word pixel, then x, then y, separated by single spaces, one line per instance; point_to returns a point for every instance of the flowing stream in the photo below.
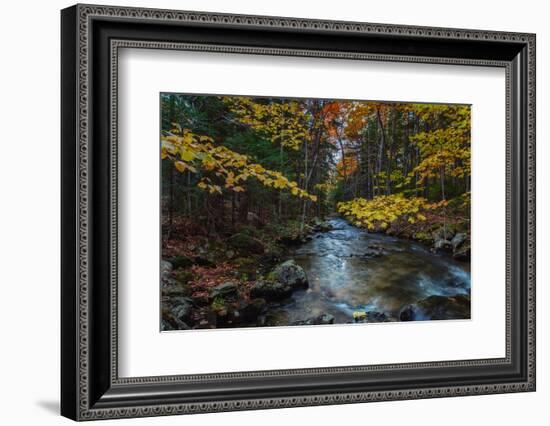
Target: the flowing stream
pixel 350 269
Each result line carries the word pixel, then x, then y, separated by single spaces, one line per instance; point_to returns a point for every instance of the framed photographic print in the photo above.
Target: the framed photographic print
pixel 263 212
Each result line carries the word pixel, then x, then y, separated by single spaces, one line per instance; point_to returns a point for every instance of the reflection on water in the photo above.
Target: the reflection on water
pixel 346 275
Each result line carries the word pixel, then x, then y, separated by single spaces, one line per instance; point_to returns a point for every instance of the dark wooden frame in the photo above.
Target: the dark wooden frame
pixel 90 386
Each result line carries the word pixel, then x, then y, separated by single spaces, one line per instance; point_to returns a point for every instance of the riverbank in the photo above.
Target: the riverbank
pixel 443 226
pixel 225 281
pixel 336 274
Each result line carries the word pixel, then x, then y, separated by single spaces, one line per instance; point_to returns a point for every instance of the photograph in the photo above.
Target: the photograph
pixel 280 211
pixel 272 208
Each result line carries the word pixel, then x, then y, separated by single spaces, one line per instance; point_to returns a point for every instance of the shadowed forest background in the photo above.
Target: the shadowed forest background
pixel 311 211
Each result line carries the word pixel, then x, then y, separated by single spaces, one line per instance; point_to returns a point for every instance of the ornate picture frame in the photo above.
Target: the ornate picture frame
pixel 91 37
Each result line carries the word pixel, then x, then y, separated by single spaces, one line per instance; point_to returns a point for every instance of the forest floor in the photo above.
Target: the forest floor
pixel 210 270
pixel 231 278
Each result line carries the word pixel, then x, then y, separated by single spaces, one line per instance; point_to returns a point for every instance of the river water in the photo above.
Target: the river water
pixel 350 269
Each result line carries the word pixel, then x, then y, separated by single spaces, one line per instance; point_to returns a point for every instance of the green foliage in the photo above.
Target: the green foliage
pixel 218 303
pixel 284 122
pixel 237 164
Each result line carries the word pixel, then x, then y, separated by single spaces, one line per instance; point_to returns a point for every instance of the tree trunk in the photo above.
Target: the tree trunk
pixel 380 148
pixel 442 177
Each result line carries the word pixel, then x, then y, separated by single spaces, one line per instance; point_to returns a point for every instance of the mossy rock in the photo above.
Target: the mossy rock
pixel 218 304
pixel 270 290
pixel 291 274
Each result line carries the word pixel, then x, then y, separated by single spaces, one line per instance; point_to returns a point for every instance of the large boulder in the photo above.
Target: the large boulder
pixel 408 314
pixel 290 274
pixel 270 290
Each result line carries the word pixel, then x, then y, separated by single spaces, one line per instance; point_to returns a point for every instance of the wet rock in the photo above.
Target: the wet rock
pixel 438 307
pixel 226 290
pixel 321 225
pixel 246 244
pixel 372 316
pixel 270 290
pixel 407 314
pixel 322 319
pixel 290 274
pixel 458 240
pixel 445 307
